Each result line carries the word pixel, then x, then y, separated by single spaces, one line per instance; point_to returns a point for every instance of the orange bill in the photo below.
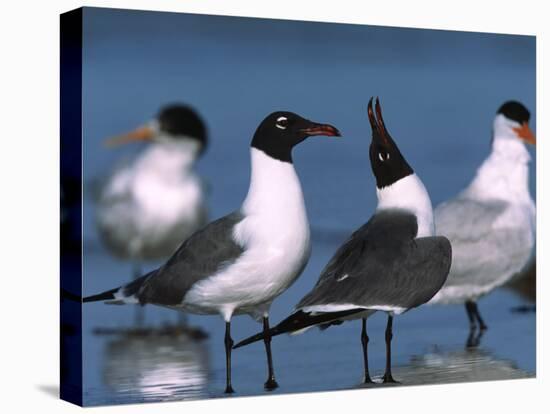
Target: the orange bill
pixel 525 133
pixel 143 133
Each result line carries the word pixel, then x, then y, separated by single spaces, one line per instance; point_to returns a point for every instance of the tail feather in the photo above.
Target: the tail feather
pixel 107 295
pixel 299 321
pixel 125 294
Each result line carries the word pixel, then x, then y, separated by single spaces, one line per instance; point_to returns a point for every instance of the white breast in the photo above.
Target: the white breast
pixel 165 189
pixel 489 249
pixel 504 175
pixel 276 238
pixel 150 206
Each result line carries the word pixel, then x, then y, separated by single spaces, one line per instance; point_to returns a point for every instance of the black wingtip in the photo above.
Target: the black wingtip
pixel 297 321
pixel 107 295
pixel 249 340
pixel 282 327
pixel 126 291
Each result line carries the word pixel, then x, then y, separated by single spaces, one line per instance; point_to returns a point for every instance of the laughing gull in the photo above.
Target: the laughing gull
pixel 148 206
pixel 393 263
pixel 491 223
pixel 240 263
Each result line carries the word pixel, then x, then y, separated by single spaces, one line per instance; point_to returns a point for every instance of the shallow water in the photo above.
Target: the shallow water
pixel 439 91
pixel 428 348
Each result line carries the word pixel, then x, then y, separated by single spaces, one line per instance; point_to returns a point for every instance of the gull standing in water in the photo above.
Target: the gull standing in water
pixel 240 263
pixel 491 223
pixel 393 263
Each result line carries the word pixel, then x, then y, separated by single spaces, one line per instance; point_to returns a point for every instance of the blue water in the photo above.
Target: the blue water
pixel 439 90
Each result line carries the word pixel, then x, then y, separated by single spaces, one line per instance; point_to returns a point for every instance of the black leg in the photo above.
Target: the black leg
pixel 270 384
pixel 139 315
pixel 471 315
pixel 228 345
pixel 474 316
pixel 365 342
pixel 389 335
pixel 480 323
pixel 474 337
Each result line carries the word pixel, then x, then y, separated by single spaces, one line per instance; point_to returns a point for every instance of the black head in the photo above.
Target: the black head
pixel 280 131
pixel 177 122
pixel 181 121
pixel 388 165
pixel 515 111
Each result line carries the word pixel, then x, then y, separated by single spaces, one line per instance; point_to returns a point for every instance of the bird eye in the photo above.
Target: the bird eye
pixel 282 122
pixel 383 156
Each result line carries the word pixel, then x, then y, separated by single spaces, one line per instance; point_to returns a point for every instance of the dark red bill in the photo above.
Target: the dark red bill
pixel 322 129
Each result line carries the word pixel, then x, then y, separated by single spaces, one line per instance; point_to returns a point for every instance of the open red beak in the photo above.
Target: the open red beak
pixel 525 133
pixel 143 133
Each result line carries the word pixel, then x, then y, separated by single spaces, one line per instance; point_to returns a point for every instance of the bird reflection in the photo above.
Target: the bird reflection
pixel 472 364
pixel 157 366
pixel 474 338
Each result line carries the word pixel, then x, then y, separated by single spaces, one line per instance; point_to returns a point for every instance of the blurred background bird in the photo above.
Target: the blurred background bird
pixel 491 223
pixel 147 207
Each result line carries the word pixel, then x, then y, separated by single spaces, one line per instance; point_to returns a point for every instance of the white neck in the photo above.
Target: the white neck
pixel 274 186
pixel 409 194
pixel 505 172
pixel 503 128
pixel 168 158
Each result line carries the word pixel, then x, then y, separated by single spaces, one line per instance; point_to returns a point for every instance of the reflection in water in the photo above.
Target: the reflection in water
pixel 474 338
pixel 156 367
pixel 458 366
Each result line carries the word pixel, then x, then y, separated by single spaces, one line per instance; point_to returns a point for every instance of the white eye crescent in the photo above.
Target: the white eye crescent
pixel 282 122
pixel 383 157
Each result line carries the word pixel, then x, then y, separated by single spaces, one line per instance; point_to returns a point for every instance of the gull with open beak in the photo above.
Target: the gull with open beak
pixel 392 263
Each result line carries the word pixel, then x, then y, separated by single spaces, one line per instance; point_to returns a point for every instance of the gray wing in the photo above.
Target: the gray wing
pixel 466 220
pixel 200 256
pixel 481 253
pixel 383 264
